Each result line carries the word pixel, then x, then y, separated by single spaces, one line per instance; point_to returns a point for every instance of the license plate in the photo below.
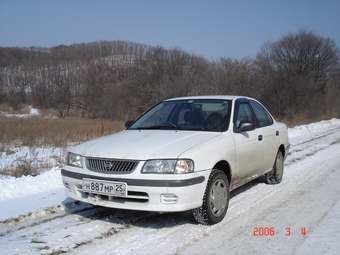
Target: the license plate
pixel 105 187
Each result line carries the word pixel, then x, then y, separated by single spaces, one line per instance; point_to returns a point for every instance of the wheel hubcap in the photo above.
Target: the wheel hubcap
pixel 218 197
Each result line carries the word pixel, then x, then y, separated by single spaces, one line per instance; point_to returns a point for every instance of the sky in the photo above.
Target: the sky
pixel 208 28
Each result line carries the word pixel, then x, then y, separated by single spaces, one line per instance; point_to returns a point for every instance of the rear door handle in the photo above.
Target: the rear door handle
pixel 277 133
pixel 260 137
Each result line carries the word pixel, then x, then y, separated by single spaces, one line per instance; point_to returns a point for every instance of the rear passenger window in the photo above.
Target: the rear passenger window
pixel 263 117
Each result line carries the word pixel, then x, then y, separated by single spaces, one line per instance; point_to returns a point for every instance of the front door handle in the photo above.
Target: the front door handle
pixel 260 137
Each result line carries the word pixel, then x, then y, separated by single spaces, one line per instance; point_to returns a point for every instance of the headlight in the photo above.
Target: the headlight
pixel 74 160
pixel 168 166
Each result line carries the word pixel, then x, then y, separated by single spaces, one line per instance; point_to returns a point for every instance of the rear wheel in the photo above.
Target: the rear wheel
pixel 215 200
pixel 275 176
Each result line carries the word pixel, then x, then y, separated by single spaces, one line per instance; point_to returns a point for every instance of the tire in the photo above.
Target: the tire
pixel 215 200
pixel 275 176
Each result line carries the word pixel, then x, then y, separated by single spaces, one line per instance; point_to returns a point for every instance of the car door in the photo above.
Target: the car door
pixel 248 145
pixel 270 134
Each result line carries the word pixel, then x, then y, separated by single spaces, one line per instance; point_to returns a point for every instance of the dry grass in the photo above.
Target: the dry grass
pixel 52 131
pixel 297 119
pixel 48 131
pixel 33 161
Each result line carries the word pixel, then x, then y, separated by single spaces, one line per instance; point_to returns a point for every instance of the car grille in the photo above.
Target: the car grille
pixel 111 165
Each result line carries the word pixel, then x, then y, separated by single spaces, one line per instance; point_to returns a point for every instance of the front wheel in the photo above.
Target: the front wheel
pixel 215 200
pixel 275 176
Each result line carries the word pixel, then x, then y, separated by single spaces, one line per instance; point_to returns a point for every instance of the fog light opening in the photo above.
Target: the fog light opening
pixel 169 198
pixel 67 186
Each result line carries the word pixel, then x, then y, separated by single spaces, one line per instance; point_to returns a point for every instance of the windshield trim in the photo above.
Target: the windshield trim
pixel 169 115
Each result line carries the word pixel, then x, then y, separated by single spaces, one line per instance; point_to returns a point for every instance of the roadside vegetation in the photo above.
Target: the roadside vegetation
pixel 88 90
pixel 45 133
pixel 48 130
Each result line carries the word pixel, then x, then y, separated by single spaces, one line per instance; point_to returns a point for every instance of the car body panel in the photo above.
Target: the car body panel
pixel 242 156
pixel 147 144
pixel 249 154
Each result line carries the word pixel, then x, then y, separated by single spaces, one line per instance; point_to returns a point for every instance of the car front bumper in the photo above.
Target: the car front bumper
pixel 155 193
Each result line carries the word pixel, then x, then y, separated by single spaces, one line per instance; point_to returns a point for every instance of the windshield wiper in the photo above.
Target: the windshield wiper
pixel 205 129
pixel 170 127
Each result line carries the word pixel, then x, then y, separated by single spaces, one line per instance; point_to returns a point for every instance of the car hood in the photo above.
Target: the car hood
pixel 144 144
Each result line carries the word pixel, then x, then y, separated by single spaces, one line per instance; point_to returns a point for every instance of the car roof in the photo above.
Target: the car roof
pixel 221 97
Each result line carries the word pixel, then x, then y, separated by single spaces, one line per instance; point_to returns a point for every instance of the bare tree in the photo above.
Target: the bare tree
pixel 294 72
pixel 298 74
pixel 231 76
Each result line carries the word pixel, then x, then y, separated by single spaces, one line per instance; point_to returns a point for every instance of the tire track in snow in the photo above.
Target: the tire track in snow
pixel 312 145
pixel 56 234
pixel 304 199
pixel 244 200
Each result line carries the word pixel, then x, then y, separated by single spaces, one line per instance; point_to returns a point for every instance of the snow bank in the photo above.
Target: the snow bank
pixel 313 127
pixel 12 187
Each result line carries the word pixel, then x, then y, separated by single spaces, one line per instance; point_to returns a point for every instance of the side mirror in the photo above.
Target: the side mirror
pixel 246 126
pixel 129 123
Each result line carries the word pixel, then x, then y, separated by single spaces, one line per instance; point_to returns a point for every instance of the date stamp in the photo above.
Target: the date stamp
pixel 270 231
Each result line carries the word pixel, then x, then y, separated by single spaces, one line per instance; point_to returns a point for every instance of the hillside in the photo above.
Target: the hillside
pixel 296 77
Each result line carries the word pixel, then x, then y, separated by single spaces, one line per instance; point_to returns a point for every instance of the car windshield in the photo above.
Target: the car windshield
pixel 193 114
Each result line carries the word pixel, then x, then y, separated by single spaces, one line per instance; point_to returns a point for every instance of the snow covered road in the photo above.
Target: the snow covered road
pixel 301 215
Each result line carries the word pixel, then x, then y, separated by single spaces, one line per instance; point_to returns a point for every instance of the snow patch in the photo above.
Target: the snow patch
pixel 12 187
pixel 32 112
pixel 313 127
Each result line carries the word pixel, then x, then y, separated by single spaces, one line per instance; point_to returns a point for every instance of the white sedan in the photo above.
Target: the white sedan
pixel 183 154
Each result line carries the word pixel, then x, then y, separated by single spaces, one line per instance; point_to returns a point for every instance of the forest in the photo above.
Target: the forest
pixel 296 77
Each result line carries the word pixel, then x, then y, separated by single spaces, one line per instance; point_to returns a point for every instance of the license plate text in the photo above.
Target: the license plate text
pixel 104 187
